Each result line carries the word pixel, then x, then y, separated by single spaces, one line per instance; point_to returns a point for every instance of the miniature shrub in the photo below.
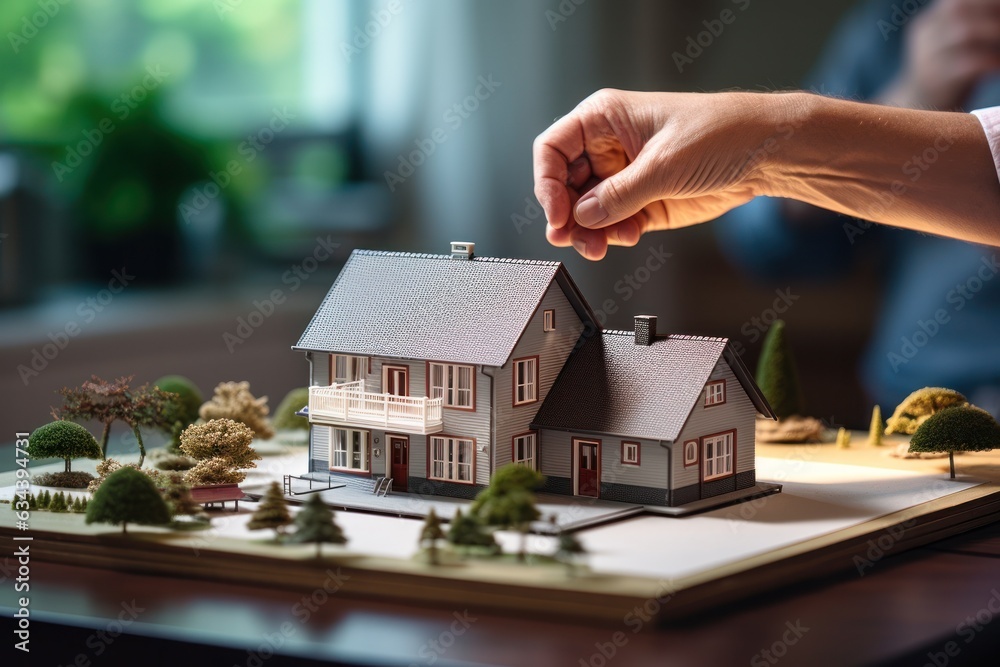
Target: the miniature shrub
pixel 961 429
pixel 44 500
pixel 468 530
pixel 272 512
pixel 777 375
pixel 108 466
pixel 58 503
pixel 233 400
pixel 63 440
pixel 921 404
pixel 213 471
pixel 175 463
pixel 285 417
pixel 876 429
pixel 181 409
pixel 222 447
pixel 126 496
pixel 64 480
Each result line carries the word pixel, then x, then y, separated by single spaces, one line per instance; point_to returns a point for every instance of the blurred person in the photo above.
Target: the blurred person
pixel 941 307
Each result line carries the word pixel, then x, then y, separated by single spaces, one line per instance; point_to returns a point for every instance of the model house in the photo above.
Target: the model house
pixel 436 370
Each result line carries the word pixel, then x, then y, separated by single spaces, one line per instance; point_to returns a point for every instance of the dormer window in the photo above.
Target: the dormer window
pixel 715 393
pixel 549 320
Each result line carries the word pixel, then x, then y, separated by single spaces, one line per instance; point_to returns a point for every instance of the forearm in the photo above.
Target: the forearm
pixel 928 171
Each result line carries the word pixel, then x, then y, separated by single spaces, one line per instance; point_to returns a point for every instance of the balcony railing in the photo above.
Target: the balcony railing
pixel 349 404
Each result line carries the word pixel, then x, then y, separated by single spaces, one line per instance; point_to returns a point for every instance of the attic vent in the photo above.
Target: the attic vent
pixel 645 329
pixel 462 250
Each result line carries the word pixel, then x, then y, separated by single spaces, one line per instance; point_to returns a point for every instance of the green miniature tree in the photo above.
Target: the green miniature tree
pixel 180 409
pixel 222 447
pixel 569 549
pixel 59 503
pixel 843 438
pixel 876 429
pixel 128 495
pixel 272 512
pixel 919 406
pixel 431 535
pixel 233 400
pixel 285 418
pixel 777 374
pixel 63 440
pixel 77 506
pixel 961 429
pixel 44 500
pixel 509 501
pixel 467 530
pixel 316 523
pixel 32 502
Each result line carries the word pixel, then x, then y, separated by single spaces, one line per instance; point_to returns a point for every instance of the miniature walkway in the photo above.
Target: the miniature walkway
pixel 571 512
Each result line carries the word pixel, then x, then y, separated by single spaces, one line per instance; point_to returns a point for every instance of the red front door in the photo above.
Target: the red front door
pixel 588 469
pixel 399 457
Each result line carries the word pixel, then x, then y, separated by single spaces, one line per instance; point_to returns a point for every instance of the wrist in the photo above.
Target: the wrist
pixel 787 119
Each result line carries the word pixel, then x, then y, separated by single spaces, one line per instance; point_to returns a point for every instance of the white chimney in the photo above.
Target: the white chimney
pixel 462 250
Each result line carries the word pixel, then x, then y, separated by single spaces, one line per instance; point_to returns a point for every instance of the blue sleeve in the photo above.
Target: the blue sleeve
pixel 861 57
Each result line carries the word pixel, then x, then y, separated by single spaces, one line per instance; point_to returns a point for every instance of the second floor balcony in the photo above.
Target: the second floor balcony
pixel 349 404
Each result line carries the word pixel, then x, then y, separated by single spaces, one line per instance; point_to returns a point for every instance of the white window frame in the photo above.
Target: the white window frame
pixel 346 448
pixel 630 447
pixel 346 368
pixel 524 450
pixel 446 462
pixel 718 455
pixel 549 320
pixel 691 453
pixel 445 381
pixel 528 389
pixel 715 393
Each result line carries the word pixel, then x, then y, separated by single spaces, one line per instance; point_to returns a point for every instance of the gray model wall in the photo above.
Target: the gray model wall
pixel 557 459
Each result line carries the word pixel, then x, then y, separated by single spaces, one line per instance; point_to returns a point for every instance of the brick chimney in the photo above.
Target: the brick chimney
pixel 462 250
pixel 645 329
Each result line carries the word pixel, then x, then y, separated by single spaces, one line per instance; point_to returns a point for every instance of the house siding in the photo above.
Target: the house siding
pixel 552 349
pixel 737 413
pixel 557 461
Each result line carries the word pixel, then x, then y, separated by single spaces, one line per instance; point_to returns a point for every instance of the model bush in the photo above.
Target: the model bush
pixel 175 462
pixel 919 406
pixel 44 500
pixel 285 418
pixel 876 429
pixel 181 408
pixel 58 503
pixel 272 512
pixel 961 429
pixel 128 496
pixel 108 466
pixel 430 535
pixel 222 448
pixel 64 480
pixel 509 501
pixel 108 402
pixel 177 494
pixel 777 374
pixel 63 440
pixel 316 522
pixel 843 438
pixel 233 400
pixel 467 530
pixel 568 550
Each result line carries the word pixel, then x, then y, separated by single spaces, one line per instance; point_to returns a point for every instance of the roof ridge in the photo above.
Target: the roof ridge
pixel 476 258
pixel 624 332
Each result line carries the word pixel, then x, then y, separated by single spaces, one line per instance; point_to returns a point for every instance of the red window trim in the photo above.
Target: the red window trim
pixel 513 440
pixel 405 367
pixel 427 384
pixel 368 453
pixel 513 380
pixel 701 457
pixel 724 397
pixel 574 460
pixel 638 453
pixel 430 456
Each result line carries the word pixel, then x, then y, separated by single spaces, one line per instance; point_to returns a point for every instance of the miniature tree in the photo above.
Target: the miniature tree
pixel 316 523
pixel 233 400
pixel 181 409
pixel 108 402
pixel 777 375
pixel 77 505
pixel 285 418
pixel 467 530
pixel 876 429
pixel 509 501
pixel 128 496
pixel 843 438
pixel 108 466
pixel 569 549
pixel 64 440
pixel 222 447
pixel 919 406
pixel 430 535
pixel 961 429
pixel 177 495
pixel 272 512
pixel 58 503
pixel 44 500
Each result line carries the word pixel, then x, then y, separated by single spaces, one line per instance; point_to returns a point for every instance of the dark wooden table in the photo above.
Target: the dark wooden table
pixel 938 605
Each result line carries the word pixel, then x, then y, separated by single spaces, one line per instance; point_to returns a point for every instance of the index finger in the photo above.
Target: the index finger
pixel 553 151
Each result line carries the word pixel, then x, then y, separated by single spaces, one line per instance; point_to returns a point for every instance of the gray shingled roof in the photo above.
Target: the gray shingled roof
pixel 611 385
pixel 433 307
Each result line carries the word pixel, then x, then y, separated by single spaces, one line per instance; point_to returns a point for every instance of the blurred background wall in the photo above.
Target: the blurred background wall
pixel 181 180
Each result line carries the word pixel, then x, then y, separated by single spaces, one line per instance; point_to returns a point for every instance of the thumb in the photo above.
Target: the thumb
pixel 621 195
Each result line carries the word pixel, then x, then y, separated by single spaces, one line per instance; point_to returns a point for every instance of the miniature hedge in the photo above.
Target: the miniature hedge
pixel 960 429
pixel 919 406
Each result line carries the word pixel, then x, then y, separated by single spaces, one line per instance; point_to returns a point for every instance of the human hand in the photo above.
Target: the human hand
pixel 948 47
pixel 625 163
